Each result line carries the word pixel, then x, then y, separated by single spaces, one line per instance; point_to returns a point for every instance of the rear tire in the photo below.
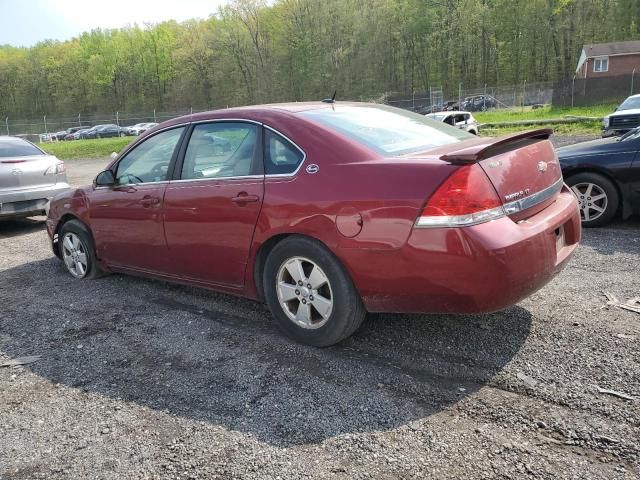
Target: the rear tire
pixel 597 196
pixel 309 293
pixel 77 251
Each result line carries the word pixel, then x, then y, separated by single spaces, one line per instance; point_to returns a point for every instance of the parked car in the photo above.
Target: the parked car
pixel 139 128
pixel 29 178
pixel 70 132
pixel 104 131
pixel 479 103
pixel 59 136
pixel 79 134
pixel 605 177
pixel 462 120
pixel 625 118
pixel 450 106
pixel 445 221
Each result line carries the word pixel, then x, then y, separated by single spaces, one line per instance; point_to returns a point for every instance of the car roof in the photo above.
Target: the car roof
pixel 11 139
pixel 261 112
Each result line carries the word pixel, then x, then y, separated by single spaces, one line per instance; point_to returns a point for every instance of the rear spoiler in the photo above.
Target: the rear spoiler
pixel 492 146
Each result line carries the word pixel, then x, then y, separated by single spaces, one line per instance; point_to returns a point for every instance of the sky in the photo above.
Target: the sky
pixel 26 22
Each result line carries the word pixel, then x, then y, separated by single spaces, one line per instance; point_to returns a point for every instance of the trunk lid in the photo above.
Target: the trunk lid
pixel 26 172
pixel 523 168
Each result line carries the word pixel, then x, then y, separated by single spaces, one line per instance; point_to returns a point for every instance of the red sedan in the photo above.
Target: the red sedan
pixel 327 211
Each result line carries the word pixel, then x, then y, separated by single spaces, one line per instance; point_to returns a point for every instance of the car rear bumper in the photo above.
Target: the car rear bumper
pixel 481 268
pixel 25 201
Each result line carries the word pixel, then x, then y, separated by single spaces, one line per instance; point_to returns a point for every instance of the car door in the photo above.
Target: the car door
pixel 212 207
pixel 126 218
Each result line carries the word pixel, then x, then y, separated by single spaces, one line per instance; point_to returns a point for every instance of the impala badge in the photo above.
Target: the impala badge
pixel 542 166
pixel 313 168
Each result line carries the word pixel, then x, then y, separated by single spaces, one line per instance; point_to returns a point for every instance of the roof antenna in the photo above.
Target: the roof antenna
pixel 332 99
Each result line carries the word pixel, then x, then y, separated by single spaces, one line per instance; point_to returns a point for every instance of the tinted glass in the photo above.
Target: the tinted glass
pixel 280 155
pixel 388 130
pixel 14 147
pixel 629 103
pixel 220 149
pixel 149 161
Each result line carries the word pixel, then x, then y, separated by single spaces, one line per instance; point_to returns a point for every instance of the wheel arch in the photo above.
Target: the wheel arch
pixel 268 245
pixel 67 217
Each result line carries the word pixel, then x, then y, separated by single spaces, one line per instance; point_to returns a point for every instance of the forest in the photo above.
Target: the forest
pixel 257 51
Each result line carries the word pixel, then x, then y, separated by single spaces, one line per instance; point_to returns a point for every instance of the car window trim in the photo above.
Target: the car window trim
pixel 172 161
pixel 304 155
pixel 178 165
pixel 257 163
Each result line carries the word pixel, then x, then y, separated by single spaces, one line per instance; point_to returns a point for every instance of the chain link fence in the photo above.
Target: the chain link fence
pixel 476 99
pixel 40 129
pixel 590 91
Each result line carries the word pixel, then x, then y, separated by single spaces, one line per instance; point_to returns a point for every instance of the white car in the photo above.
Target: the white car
pixel 29 178
pixel 625 118
pixel 462 120
pixel 139 128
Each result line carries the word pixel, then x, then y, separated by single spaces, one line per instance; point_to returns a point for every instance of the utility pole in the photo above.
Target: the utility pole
pixel 633 74
pixel 6 121
pixel 573 88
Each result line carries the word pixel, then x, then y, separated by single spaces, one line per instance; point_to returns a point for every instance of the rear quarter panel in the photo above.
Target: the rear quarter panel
pixel 356 200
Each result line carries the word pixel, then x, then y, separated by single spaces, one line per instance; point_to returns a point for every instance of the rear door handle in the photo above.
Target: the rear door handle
pixel 149 201
pixel 243 197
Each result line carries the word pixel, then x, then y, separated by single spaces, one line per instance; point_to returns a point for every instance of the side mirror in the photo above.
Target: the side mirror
pixel 113 155
pixel 105 179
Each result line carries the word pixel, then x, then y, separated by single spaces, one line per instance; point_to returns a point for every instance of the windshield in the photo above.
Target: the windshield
pixel 14 147
pixel 629 103
pixel 388 130
pixel 437 117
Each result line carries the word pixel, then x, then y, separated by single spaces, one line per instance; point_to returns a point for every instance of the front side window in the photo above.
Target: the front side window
pixel 601 65
pixel 149 161
pixel 281 157
pixel 387 130
pixel 219 150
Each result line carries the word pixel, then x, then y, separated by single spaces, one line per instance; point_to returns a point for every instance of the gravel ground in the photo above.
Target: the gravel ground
pixel 141 379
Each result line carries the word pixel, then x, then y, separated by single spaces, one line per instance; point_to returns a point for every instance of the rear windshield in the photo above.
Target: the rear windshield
pixel 629 103
pixel 14 147
pixel 388 130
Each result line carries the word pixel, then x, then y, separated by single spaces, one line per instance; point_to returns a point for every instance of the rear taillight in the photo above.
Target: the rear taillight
pixel 465 198
pixel 55 169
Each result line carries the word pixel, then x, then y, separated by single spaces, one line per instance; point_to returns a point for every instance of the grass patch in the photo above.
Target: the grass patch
pixel 544 113
pixel 584 128
pixel 100 147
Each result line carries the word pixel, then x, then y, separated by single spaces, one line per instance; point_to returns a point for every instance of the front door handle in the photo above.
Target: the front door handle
pixel 243 197
pixel 149 201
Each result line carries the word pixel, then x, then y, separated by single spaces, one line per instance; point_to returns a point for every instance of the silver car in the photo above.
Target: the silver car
pixel 462 120
pixel 29 178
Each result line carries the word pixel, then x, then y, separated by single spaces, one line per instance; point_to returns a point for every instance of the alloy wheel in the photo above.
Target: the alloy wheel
pixel 74 254
pixel 592 199
pixel 304 293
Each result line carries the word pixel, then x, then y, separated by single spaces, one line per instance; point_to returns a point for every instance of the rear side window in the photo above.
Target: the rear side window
pixel 14 147
pixel 281 157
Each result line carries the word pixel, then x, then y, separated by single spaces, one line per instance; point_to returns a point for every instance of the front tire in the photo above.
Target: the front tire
pixel 309 293
pixel 597 197
pixel 76 249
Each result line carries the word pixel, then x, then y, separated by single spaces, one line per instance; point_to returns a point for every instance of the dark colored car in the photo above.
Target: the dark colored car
pixel 450 106
pixel 625 118
pixel 104 131
pixel 326 211
pixel 479 103
pixel 605 176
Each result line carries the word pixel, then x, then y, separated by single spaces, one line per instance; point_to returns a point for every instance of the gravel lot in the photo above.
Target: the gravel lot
pixel 141 379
